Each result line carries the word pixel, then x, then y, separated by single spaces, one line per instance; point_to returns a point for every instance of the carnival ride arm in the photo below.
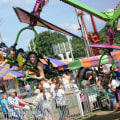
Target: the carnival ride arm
pixel 110 16
pixel 88 9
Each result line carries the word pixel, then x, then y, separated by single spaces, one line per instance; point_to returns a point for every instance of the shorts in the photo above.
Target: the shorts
pixel 6 116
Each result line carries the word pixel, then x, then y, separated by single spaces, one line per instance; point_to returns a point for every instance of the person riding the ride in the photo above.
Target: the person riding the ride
pixel 34 61
pixel 18 59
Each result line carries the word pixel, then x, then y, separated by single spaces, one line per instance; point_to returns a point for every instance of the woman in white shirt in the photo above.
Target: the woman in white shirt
pixel 40 105
pixel 60 101
pixel 45 98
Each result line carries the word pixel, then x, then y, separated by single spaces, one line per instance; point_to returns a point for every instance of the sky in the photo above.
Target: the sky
pixel 57 12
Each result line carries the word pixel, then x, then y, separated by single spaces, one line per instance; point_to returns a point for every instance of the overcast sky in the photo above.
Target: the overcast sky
pixel 57 12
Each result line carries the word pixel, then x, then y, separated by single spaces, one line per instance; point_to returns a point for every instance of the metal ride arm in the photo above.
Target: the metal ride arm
pixel 30 28
pixel 111 17
pixel 103 15
pixel 94 39
pixel 36 11
pixel 113 64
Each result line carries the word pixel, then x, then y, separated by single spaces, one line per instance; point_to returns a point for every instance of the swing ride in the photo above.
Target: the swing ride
pixel 33 19
pixel 111 17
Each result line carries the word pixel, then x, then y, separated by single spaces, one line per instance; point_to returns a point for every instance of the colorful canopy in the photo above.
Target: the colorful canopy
pixel 11 74
pixel 93 61
pixel 6 74
pixel 60 64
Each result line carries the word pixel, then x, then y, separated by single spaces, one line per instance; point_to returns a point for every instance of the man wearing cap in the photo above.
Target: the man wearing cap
pixel 13 105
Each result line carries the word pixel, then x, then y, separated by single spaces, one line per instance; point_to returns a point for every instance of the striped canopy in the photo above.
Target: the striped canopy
pixel 93 61
pixel 11 74
pixel 60 64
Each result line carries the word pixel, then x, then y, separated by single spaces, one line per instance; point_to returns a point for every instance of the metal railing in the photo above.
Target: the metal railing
pixel 79 104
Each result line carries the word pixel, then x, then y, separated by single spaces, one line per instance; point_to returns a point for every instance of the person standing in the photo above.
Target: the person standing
pixel 4 106
pixel 40 105
pixel 112 89
pixel 45 98
pixel 46 84
pixel 37 91
pixel 52 87
pixel 59 96
pixel 13 105
pixel 20 104
pixel 66 82
pixel 28 89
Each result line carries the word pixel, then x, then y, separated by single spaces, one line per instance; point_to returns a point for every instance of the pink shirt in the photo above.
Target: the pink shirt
pixel 82 96
pixel 20 104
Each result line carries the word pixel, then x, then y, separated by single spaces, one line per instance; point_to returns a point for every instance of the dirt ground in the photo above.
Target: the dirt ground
pixel 104 115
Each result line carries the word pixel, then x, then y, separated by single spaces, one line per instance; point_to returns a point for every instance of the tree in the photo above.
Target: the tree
pixel 47 38
pixel 78 47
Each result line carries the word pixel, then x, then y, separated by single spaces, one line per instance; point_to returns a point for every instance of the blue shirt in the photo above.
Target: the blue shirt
pixel 3 101
pixel 0 99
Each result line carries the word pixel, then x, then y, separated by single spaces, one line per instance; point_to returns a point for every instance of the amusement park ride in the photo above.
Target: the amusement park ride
pixel 34 19
pixel 111 17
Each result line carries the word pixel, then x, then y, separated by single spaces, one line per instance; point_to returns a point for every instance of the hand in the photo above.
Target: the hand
pixel 8 110
pixel 1 65
pixel 12 69
pixel 23 108
pixel 90 77
pixel 35 77
pixel 109 85
pixel 30 106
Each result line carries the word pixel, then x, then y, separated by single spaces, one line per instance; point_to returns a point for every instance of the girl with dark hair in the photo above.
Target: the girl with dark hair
pixel 93 78
pixel 33 59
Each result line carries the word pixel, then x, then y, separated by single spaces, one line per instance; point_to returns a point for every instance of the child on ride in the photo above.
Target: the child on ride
pixel 20 60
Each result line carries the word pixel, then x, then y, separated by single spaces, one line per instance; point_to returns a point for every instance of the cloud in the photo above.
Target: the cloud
pixel 4 39
pixel 71 27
